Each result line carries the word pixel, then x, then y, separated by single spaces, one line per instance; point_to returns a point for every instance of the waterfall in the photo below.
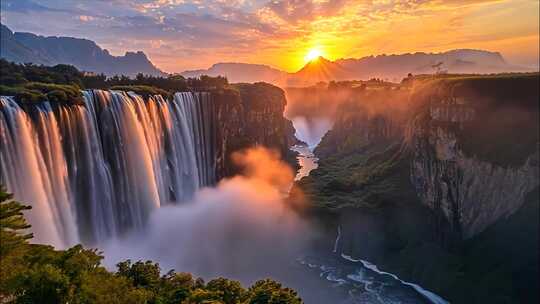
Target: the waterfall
pixel 97 170
pixel 33 167
pixel 90 175
pixel 338 238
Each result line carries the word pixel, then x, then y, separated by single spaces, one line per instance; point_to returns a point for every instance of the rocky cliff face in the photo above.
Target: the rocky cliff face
pixel 250 115
pixel 469 194
pixel 356 129
pixel 463 142
pixel 230 125
pixel 364 120
pixel 471 161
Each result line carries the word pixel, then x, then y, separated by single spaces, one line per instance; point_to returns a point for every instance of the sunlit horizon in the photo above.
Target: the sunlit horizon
pixel 280 33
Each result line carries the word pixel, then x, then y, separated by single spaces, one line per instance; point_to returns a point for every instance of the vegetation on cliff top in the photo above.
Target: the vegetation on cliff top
pixel 32 92
pixel 260 95
pixel 62 83
pixel 32 273
pixel 144 91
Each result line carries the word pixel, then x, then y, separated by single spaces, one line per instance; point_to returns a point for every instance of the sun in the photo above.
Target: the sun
pixel 313 54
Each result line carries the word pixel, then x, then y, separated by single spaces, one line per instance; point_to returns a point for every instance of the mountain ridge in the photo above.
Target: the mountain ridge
pixel 84 54
pixel 393 67
pixel 238 71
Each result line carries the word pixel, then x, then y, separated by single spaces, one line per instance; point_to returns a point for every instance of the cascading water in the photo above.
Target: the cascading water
pixel 97 170
pixel 33 167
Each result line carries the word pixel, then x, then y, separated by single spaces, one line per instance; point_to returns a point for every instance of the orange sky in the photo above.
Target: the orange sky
pixel 193 34
pixel 510 27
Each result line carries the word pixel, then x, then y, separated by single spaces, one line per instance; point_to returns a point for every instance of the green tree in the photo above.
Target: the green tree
pixel 203 296
pixel 43 284
pixel 230 292
pixel 142 274
pixel 271 292
pixel 176 287
pixel 13 226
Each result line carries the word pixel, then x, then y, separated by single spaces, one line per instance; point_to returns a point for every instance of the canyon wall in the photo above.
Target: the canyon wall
pixel 475 150
pixel 251 115
pixel 438 182
pixel 471 150
pixel 470 194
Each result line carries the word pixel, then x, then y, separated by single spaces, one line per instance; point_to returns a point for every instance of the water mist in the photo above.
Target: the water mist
pixel 241 229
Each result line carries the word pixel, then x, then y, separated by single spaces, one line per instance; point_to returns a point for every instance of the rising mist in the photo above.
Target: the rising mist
pixel 241 229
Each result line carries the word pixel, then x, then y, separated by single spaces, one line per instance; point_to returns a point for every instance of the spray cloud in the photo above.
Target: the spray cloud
pixel 241 229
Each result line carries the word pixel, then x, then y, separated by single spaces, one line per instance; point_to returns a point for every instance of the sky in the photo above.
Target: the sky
pixel 180 35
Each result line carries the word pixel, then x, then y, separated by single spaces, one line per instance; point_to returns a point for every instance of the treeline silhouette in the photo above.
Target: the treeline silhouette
pixel 34 83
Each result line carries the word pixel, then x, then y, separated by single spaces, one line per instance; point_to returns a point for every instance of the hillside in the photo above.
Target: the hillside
pixel 84 54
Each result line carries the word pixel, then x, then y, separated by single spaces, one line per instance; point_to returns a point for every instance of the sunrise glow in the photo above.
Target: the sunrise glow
pixel 313 54
pixel 286 34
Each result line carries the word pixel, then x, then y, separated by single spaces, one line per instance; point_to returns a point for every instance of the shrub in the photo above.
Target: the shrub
pixel 145 91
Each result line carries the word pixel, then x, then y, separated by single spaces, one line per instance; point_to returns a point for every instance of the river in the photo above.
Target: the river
pixel 306 160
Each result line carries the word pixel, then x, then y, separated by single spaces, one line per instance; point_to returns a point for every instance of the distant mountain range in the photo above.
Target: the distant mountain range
pixel 391 67
pixel 240 72
pixel 84 54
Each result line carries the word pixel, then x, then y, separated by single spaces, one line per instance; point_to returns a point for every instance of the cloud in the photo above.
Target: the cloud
pixel 23 6
pixel 85 18
pixel 295 10
pixel 275 32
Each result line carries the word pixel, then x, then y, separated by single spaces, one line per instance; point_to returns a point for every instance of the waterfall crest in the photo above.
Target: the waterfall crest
pixel 95 171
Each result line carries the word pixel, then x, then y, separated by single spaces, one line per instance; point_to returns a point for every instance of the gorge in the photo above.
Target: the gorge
pixel 407 174
pixel 418 178
pixel 269 152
